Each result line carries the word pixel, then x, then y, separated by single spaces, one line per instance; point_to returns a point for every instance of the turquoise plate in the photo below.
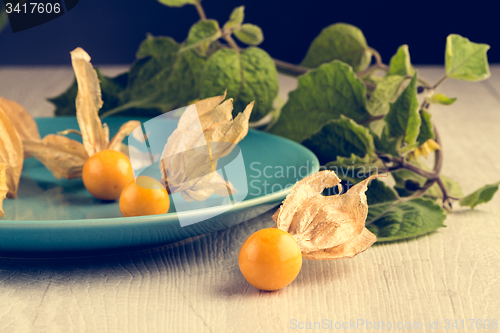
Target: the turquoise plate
pixel 59 217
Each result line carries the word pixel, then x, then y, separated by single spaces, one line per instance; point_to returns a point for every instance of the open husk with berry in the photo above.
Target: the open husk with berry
pixel 11 158
pixel 208 123
pixel 16 125
pixel 65 157
pixel 326 227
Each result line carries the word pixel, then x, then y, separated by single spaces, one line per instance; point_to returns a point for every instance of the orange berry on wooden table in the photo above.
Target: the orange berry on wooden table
pixel 106 173
pixel 270 259
pixel 144 196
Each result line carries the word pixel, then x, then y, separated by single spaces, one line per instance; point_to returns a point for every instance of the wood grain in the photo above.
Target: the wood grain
pixel 196 286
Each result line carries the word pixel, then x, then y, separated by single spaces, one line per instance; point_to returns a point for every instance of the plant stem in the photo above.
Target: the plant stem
pixel 426 84
pixel 120 108
pixel 401 163
pixel 374 118
pixel 290 69
pixel 378 64
pixel 441 80
pixel 446 197
pixel 200 10
pixel 282 66
pixel 371 69
pixel 232 43
pixel 378 58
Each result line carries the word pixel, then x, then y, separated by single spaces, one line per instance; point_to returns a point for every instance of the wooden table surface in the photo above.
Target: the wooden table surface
pixel 196 286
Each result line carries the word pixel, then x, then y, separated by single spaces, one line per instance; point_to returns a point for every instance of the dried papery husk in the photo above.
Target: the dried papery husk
pixel 105 131
pixel 20 119
pixel 189 159
pixel 11 152
pixel 88 103
pixel 208 104
pixel 63 156
pixel 70 131
pixel 3 186
pixel 220 114
pixel 187 136
pixel 232 131
pixel 326 227
pixel 124 131
pixel 206 186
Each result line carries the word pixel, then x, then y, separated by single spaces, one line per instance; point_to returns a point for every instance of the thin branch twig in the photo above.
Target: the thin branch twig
pixel 200 10
pixel 291 69
pixel 441 80
pixel 232 43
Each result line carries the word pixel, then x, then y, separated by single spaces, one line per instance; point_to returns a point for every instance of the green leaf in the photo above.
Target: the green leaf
pixel 378 193
pixel 465 60
pixel 383 143
pixel 354 168
pixel 65 102
pixel 156 56
pixel 164 78
pixel 440 99
pixel 249 34
pixel 322 94
pixel 340 137
pixel 400 63
pixel 339 41
pixel 236 18
pixel 385 93
pixel 157 47
pixel 453 188
pixel 405 149
pixel 482 195
pixel 248 76
pixel 406 219
pixel 426 129
pixel 403 119
pixel 377 127
pixel 178 3
pixel 110 91
pixel 275 113
pixel 201 34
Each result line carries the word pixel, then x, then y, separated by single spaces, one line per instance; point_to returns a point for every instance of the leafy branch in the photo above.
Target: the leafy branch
pixel 390 106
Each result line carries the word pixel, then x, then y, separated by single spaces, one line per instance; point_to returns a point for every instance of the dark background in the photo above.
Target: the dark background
pixel 111 30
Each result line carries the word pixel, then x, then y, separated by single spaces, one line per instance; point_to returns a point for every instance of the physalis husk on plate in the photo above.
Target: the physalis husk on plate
pixel 16 125
pixel 3 185
pixel 208 123
pixel 11 153
pixel 22 121
pixel 65 157
pixel 326 227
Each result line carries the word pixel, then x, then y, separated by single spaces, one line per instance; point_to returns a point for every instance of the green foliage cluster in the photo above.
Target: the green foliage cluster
pixel 357 117
pixel 168 75
pixel 360 119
